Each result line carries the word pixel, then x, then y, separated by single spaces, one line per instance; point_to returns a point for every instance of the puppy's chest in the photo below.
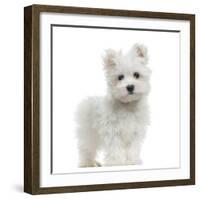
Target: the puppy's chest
pixel 121 123
pixel 124 123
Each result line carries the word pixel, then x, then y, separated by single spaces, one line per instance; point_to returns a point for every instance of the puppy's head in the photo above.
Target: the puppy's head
pixel 127 74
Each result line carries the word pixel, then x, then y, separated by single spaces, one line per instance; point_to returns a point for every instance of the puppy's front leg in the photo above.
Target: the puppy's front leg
pixel 115 154
pixel 133 153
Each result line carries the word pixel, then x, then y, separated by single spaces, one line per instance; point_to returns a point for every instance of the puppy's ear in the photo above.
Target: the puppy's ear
pixel 141 52
pixel 109 58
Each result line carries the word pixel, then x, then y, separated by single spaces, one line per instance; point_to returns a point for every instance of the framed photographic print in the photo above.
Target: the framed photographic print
pixel 109 99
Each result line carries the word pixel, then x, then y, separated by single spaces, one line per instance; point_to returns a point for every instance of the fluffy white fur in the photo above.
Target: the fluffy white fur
pixel 117 122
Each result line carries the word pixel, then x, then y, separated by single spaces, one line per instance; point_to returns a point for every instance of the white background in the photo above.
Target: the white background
pixel 11 101
pixel 78 73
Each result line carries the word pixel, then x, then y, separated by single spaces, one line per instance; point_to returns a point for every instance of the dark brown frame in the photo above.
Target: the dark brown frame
pixel 32 105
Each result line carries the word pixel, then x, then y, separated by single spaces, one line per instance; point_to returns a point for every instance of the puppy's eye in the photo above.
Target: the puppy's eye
pixel 120 77
pixel 136 75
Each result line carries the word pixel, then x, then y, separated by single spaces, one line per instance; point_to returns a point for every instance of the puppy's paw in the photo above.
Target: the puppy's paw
pixel 134 162
pixel 90 164
pixel 138 162
pixel 97 164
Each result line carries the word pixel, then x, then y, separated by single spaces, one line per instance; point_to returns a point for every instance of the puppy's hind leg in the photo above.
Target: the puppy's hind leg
pixel 87 147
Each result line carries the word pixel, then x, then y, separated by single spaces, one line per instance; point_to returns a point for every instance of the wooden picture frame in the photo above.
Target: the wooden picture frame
pixel 32 107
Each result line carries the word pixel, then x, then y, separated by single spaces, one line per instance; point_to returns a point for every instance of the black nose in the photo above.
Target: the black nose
pixel 130 88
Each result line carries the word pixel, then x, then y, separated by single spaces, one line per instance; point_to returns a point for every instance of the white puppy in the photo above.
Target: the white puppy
pixel 117 122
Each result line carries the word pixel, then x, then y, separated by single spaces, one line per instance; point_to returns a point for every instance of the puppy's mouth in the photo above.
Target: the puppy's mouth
pixel 128 95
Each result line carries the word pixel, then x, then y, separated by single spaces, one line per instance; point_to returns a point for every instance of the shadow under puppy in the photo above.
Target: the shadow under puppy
pixel 116 123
